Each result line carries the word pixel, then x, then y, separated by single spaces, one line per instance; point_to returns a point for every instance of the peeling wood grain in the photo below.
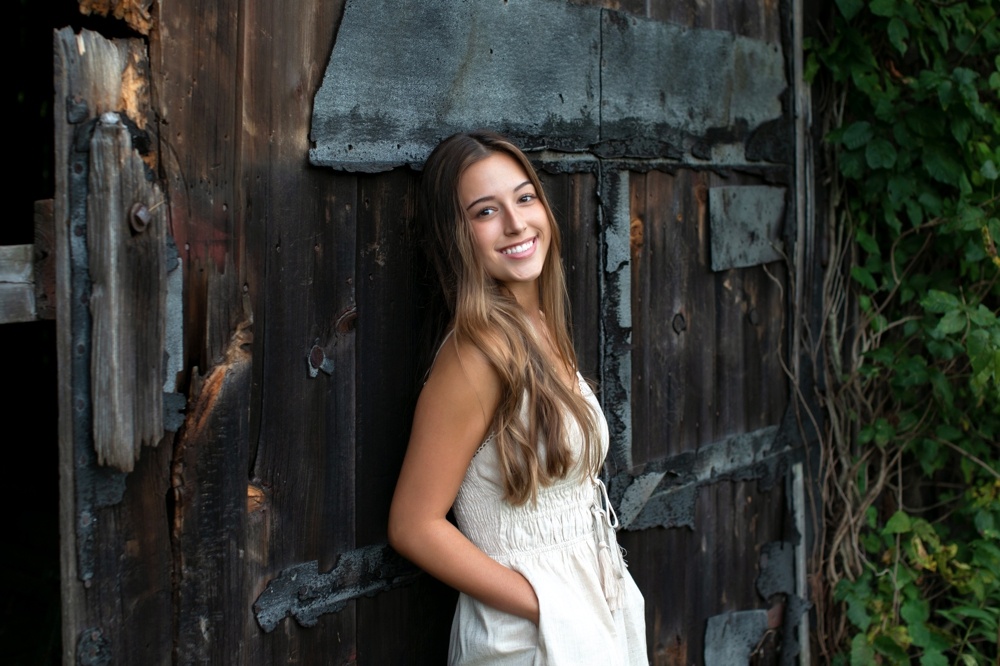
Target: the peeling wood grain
pixel 137 13
pixel 112 75
pixel 126 234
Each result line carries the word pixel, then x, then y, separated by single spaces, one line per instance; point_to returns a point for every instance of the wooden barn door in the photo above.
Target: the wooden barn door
pixel 241 311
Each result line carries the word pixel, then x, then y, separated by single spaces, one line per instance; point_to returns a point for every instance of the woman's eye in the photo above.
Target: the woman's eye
pixel 486 212
pixel 525 198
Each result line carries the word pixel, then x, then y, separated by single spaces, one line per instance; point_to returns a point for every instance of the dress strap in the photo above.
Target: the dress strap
pixel 609 554
pixel 438 353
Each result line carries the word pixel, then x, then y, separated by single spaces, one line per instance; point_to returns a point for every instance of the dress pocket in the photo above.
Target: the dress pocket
pixel 481 634
pixel 575 625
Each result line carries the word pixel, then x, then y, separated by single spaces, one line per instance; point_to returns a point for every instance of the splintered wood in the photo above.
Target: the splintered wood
pixel 134 12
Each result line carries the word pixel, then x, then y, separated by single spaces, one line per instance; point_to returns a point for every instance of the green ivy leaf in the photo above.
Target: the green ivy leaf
pixel 951 322
pixel 852 164
pixel 960 128
pixel 898 34
pixel 941 164
pixel 864 277
pixel 880 154
pixel 883 7
pixel 889 645
pixel 931 202
pixel 933 657
pixel 850 8
pixel 857 134
pixel 988 170
pixel 899 523
pixel 939 301
pixel 985 524
pixel 862 653
pixel 948 433
pixel 884 432
pixel 866 242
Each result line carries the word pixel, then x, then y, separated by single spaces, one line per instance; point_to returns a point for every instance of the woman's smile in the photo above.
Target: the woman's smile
pixel 522 250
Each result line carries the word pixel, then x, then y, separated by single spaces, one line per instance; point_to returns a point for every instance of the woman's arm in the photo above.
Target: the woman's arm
pixel 453 415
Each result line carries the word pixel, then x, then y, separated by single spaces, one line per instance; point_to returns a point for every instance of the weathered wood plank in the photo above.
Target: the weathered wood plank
pixel 17 284
pixel 210 512
pixel 115 550
pixel 388 379
pixel 45 260
pixel 195 59
pixel 689 576
pixel 126 234
pixel 575 206
pixel 299 267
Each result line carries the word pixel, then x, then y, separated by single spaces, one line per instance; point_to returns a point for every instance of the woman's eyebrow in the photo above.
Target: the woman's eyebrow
pixel 480 200
pixel 491 196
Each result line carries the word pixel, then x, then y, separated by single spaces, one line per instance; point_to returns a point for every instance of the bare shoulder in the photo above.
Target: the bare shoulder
pixel 461 362
pixel 456 406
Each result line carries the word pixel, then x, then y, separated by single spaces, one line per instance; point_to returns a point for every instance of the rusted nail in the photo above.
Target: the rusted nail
pixel 318 361
pixel 680 325
pixel 139 217
pixel 345 322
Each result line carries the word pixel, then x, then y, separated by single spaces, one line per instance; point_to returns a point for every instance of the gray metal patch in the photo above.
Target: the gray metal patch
pixel 404 75
pixel 731 637
pixel 745 225
pixel 666 82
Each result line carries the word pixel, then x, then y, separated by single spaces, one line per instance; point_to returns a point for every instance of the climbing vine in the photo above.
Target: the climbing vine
pixel 909 564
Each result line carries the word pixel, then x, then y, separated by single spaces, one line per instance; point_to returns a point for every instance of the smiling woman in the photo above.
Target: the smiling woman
pixel 508 434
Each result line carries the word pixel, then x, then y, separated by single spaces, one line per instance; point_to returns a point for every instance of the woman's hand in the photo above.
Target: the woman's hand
pixel 452 418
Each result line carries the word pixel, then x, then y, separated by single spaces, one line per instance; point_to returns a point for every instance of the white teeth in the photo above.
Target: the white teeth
pixel 517 249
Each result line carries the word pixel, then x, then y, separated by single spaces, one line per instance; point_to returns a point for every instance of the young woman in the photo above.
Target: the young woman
pixel 508 434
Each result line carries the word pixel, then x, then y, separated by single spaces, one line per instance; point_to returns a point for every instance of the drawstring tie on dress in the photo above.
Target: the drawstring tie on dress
pixel 609 555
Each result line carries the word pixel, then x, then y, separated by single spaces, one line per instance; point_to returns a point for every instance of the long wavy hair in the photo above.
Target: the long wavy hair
pixel 486 315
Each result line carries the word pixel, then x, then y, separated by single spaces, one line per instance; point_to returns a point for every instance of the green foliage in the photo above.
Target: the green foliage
pixel 917 153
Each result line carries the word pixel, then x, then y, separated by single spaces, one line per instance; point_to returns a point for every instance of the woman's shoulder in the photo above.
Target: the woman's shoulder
pixel 461 371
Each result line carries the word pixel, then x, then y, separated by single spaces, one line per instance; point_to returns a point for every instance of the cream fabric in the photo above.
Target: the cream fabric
pixel 555 544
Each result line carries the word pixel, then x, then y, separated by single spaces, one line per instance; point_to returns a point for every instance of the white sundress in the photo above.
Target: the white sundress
pixel 590 610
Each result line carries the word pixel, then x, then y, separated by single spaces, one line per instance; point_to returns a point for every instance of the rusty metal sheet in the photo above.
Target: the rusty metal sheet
pixel 745 225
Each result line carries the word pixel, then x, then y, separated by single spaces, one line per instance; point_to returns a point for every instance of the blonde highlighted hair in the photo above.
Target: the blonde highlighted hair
pixel 487 316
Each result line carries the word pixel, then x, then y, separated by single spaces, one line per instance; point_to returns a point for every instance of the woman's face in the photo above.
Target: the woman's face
pixel 510 227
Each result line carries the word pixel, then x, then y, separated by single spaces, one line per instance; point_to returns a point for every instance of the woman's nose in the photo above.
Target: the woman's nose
pixel 515 223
